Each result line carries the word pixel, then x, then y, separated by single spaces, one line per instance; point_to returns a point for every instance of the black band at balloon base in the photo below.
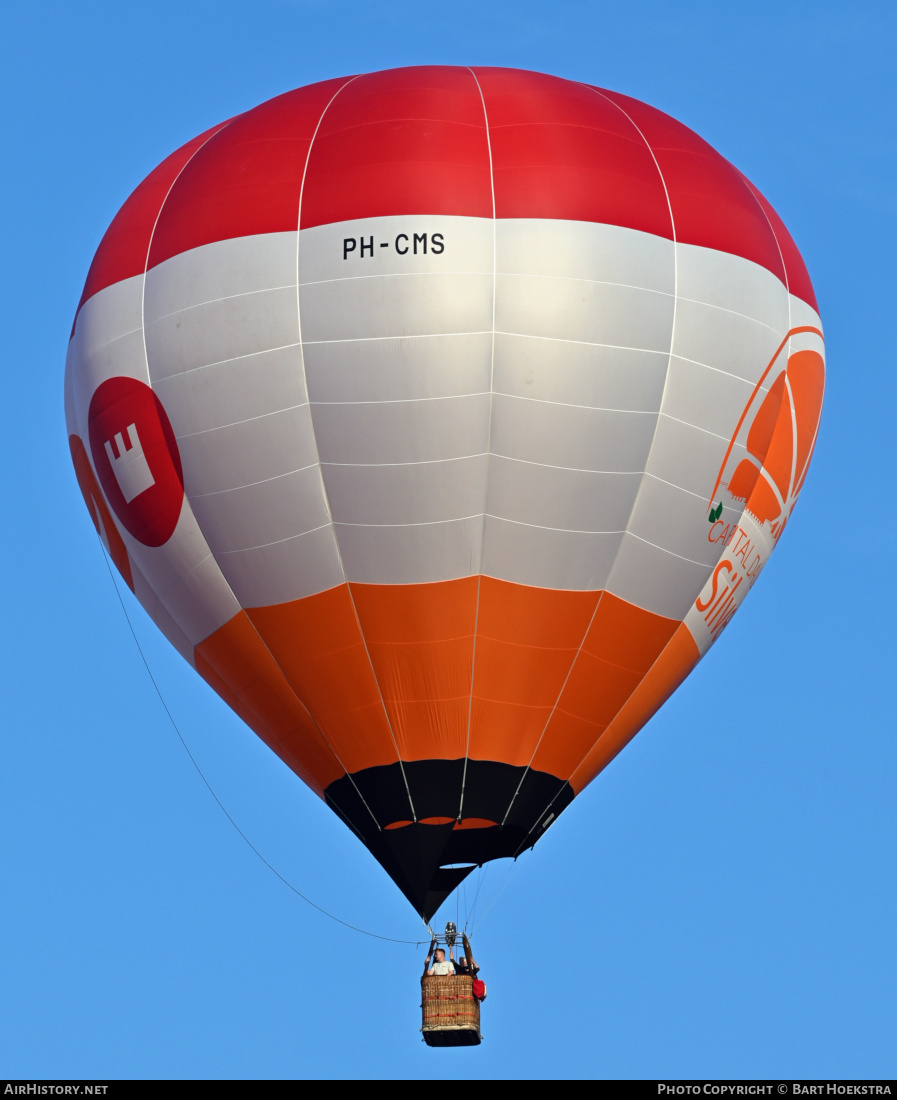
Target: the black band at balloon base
pixel 428 837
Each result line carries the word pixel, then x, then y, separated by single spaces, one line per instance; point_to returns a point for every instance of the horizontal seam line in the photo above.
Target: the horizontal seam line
pixel 422 523
pixel 221 362
pixel 419 462
pixel 213 301
pixel 250 484
pixel 560 530
pixel 246 420
pixel 405 400
pixel 274 542
pixel 672 553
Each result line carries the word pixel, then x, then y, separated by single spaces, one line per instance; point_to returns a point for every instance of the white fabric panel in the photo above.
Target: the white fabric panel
pixel 674 520
pixel 68 392
pixel 802 313
pixel 402 431
pixel 655 579
pixel 283 571
pixel 579 374
pixel 398 351
pixel 708 399
pixel 547 559
pixel 570 437
pixel 183 575
pixel 727 341
pixel 234 391
pixel 271 511
pixel 411 554
pixel 731 283
pixel 400 369
pixel 584 315
pixel 161 616
pixel 396 306
pixel 223 269
pixel 592 313
pixel 109 314
pixel 408 493
pixel 570 500
pixel 803 316
pixel 584 250
pixel 200 600
pixel 221 330
pixel 257 450
pixel 687 457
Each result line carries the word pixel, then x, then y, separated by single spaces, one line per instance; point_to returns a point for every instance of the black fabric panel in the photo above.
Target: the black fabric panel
pixel 416 856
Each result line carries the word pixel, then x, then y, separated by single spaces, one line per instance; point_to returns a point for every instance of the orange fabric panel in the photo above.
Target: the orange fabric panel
pixel 626 635
pixel 667 673
pixel 596 690
pixel 99 513
pixel 431 729
pixel 524 674
pixel 235 662
pixel 567 741
pixel 317 643
pixel 420 641
pixel 545 617
pixel 506 732
pixel 527 640
pixel 623 642
pixel 407 613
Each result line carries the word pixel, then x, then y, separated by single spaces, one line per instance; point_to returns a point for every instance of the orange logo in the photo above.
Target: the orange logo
pixel 777 433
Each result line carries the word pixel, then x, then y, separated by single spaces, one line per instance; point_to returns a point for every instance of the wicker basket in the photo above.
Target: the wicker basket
pixel 451 1013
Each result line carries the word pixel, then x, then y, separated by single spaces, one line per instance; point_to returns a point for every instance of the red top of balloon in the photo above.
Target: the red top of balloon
pixel 479 142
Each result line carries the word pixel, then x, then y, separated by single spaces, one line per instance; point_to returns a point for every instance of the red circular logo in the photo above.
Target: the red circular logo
pixel 136 458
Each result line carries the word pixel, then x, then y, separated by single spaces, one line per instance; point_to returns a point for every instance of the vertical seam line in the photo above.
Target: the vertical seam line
pixel 476 620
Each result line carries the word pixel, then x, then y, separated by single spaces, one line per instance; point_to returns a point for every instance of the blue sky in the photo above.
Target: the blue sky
pixel 721 901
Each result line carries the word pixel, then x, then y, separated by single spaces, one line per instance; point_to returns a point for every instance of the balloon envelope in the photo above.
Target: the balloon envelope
pixel 442 418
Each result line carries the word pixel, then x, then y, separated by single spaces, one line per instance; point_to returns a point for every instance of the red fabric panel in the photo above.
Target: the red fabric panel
pixel 712 206
pixel 798 277
pixel 123 249
pixel 405 141
pixel 247 179
pixel 561 150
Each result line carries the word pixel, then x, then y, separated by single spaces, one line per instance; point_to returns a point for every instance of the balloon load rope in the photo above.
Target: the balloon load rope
pixel 220 804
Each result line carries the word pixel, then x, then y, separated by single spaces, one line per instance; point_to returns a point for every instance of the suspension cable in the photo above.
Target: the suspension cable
pixel 221 806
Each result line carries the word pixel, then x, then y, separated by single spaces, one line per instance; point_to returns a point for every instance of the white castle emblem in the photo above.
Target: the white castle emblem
pixel 130 467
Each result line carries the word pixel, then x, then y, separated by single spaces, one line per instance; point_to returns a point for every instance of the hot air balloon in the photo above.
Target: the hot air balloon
pixel 442 418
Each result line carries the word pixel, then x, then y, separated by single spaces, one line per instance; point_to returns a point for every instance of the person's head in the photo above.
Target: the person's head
pixel 439 955
pixel 462 961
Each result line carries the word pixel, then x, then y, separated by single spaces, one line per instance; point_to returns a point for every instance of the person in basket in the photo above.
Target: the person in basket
pixel 441 965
